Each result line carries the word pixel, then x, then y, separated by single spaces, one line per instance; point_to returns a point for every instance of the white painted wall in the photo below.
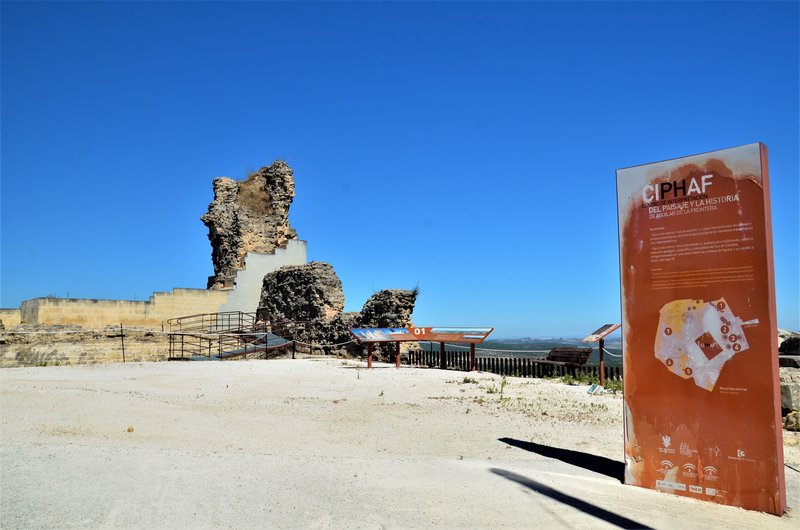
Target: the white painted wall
pixel 247 291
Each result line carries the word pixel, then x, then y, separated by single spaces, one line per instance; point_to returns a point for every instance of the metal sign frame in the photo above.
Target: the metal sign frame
pixel 470 335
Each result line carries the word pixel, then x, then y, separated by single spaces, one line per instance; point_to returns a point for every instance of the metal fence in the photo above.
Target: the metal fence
pixel 510 366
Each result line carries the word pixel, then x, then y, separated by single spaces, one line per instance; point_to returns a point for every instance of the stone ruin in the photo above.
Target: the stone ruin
pixel 252 216
pixel 311 295
pixel 256 256
pixel 248 216
pixel 311 292
pixel 390 308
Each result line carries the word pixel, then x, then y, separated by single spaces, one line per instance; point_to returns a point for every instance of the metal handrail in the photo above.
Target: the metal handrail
pixel 213 334
pixel 212 322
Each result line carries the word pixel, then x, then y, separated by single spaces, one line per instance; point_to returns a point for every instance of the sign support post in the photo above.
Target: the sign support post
pixel 473 366
pixel 602 366
pixel 598 336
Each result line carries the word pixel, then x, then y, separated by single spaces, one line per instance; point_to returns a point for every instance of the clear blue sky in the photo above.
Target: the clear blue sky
pixel 469 148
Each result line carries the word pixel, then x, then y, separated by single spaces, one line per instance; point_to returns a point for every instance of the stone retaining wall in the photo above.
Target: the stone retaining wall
pixel 56 345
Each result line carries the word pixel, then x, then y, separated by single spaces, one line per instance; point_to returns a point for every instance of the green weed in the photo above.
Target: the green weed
pixel 613 385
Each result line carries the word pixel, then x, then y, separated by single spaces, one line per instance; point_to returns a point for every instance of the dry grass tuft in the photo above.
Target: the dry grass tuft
pixel 253 196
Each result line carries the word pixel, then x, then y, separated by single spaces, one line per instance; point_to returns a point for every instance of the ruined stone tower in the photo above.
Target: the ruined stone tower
pixel 250 216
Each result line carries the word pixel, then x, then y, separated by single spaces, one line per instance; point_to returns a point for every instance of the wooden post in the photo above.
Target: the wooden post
pixel 473 367
pixel 397 354
pixel 602 367
pixel 369 355
pixel 294 348
pixel 122 337
pixel 442 358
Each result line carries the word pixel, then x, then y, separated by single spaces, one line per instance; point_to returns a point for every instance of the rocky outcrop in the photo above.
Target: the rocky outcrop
pixel 789 353
pixel 790 346
pixel 790 392
pixel 792 421
pixel 790 388
pixel 310 292
pixel 307 302
pixel 248 216
pixel 390 308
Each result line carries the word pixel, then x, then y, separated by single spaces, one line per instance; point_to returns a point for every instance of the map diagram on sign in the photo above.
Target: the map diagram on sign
pixel 695 339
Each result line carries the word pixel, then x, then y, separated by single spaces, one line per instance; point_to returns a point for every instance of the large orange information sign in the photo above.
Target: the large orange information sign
pixel 702 397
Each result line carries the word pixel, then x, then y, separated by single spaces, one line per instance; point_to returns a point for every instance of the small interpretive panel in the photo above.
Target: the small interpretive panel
pixel 701 387
pixel 452 334
pixel 467 335
pixel 383 335
pixel 601 333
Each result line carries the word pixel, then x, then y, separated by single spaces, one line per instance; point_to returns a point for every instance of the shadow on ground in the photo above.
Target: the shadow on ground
pixel 374 367
pixel 569 500
pixel 598 464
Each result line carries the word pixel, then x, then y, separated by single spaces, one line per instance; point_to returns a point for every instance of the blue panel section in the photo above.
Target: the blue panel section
pixel 382 334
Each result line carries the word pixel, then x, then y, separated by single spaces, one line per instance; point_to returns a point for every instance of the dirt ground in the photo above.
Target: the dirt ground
pixel 325 443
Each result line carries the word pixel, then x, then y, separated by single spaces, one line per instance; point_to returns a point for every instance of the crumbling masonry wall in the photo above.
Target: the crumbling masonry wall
pixel 248 216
